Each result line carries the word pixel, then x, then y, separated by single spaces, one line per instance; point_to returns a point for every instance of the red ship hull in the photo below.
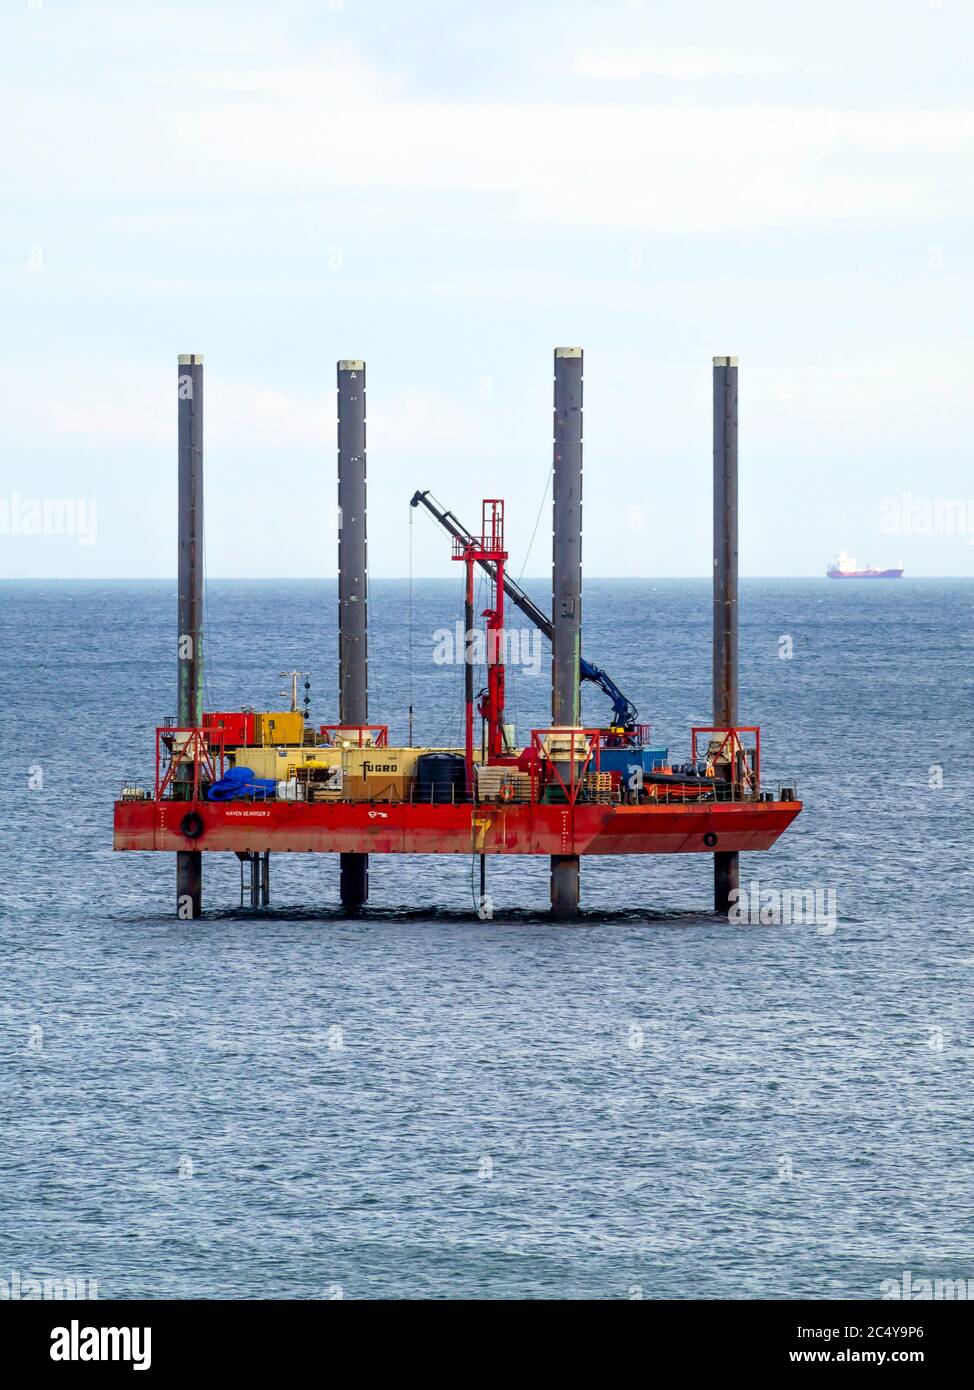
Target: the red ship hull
pixel 406 828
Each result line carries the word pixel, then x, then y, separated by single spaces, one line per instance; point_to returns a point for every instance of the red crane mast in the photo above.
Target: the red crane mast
pixel 489 545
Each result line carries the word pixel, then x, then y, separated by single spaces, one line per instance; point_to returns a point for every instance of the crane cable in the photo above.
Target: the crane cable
pixel 537 522
pixel 410 630
pixel 205 644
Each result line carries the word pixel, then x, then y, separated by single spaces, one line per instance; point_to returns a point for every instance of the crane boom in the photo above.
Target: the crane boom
pixel 624 712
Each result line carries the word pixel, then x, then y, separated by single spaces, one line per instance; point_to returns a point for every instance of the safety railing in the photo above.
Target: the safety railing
pixel 490 543
pixel 784 789
pixel 725 748
pixel 558 747
pixel 563 768
pixel 333 735
pixel 191 760
pixel 636 737
pixel 133 790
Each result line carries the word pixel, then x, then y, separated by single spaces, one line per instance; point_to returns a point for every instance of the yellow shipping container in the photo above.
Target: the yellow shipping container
pixel 389 786
pixel 279 726
pixel 367 773
pixel 378 762
pixel 276 762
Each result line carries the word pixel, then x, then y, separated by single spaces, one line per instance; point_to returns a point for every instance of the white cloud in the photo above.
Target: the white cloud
pixel 106 404
pixel 611 167
pixel 187 171
pixel 255 110
pixel 337 76
pixel 618 64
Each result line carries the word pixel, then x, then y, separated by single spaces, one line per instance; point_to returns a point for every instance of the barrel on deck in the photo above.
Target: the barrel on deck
pixel 440 777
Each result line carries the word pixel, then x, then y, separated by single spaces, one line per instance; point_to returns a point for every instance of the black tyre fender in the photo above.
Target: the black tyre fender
pixel 191 825
pixel 710 839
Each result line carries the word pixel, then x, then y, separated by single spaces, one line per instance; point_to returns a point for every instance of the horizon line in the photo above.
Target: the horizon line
pixel 384 578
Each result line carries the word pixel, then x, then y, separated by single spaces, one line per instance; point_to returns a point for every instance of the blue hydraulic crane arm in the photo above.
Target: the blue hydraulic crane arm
pixel 624 712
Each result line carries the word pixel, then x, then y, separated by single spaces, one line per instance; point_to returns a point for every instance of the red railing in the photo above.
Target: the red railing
pixel 578 766
pixel 489 545
pixel 339 733
pixel 193 750
pixel 637 737
pixel 492 524
pixel 732 750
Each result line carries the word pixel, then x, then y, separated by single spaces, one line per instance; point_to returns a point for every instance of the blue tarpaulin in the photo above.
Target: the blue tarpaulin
pixel 240 784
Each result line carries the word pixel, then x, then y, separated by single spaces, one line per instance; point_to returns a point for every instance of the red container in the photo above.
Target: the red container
pixel 235 727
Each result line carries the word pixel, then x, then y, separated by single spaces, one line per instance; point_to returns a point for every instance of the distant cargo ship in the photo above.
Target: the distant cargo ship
pixel 844 567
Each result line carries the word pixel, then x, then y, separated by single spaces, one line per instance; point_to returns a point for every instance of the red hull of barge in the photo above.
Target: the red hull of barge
pixel 390 828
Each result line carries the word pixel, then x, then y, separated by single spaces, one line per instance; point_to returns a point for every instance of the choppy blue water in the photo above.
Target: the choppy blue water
pixel 652 1100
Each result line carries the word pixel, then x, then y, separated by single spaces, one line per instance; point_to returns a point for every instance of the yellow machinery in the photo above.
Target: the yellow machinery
pixel 278 726
pixel 366 774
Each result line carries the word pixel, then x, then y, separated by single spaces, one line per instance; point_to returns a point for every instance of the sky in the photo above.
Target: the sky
pixel 450 191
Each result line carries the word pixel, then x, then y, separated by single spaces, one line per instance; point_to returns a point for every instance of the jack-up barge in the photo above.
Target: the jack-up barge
pixel 256 782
